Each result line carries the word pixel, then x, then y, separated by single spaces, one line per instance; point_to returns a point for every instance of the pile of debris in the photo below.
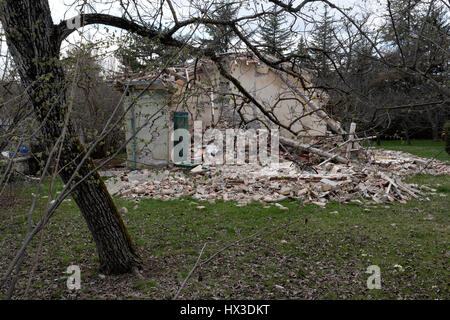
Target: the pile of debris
pixel 380 179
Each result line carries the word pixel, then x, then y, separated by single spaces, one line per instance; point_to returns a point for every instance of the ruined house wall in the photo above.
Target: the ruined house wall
pixel 268 88
pixel 273 93
pixel 152 146
pixel 202 100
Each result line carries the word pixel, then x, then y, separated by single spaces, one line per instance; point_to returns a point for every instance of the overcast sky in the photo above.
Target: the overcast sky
pixel 61 10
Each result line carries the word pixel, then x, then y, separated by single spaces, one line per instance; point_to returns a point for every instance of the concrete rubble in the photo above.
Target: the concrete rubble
pixel 378 179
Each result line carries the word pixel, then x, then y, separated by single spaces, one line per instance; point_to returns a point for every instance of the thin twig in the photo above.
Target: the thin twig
pixel 190 273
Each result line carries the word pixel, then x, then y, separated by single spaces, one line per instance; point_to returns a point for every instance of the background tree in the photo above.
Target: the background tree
pixel 220 37
pixel 276 37
pixel 418 34
pixel 94 100
pixel 303 53
pixel 136 53
pixel 323 43
pixel 15 113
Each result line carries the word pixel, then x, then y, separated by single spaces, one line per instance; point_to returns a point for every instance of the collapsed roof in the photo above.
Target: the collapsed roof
pixel 175 79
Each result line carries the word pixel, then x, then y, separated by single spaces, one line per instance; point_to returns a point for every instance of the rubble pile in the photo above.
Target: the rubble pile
pixel 379 179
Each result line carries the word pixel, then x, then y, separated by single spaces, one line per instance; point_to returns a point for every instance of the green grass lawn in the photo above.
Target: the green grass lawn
pixel 303 253
pixel 325 258
pixel 422 148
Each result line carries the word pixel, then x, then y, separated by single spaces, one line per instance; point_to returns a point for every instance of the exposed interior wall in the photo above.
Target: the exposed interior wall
pixel 273 93
pixel 213 100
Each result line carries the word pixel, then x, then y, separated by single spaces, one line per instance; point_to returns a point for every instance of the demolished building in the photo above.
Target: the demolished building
pixel 178 96
pixel 331 167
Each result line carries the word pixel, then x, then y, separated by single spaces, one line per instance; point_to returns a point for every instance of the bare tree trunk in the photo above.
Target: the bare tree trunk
pixel 434 122
pixel 34 45
pixel 407 135
pixel 436 135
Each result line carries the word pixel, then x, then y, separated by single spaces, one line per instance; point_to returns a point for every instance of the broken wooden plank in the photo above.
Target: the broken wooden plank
pixel 326 161
pixel 350 139
pixel 354 140
pixel 398 185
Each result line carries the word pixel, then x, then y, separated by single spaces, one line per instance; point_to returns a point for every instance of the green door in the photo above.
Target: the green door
pixel 181 121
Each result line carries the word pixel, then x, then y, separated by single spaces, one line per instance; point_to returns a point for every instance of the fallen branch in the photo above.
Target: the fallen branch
pixel 334 125
pixel 190 273
pixel 295 144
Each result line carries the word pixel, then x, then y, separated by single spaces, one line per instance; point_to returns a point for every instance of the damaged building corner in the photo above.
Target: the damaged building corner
pixel 198 91
pixel 318 160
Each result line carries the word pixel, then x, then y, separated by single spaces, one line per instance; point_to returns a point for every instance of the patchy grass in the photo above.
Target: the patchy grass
pixel 325 258
pixel 422 148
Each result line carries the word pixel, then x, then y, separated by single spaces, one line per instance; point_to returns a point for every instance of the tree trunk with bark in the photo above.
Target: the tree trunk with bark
pixel 407 135
pixel 33 42
pixel 434 123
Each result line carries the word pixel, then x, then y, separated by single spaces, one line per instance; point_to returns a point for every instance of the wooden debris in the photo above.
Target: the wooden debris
pixel 305 147
pixel 350 140
pixel 378 180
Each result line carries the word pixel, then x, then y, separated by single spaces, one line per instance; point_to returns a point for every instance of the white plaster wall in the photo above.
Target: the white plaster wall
pixel 152 141
pixel 267 87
